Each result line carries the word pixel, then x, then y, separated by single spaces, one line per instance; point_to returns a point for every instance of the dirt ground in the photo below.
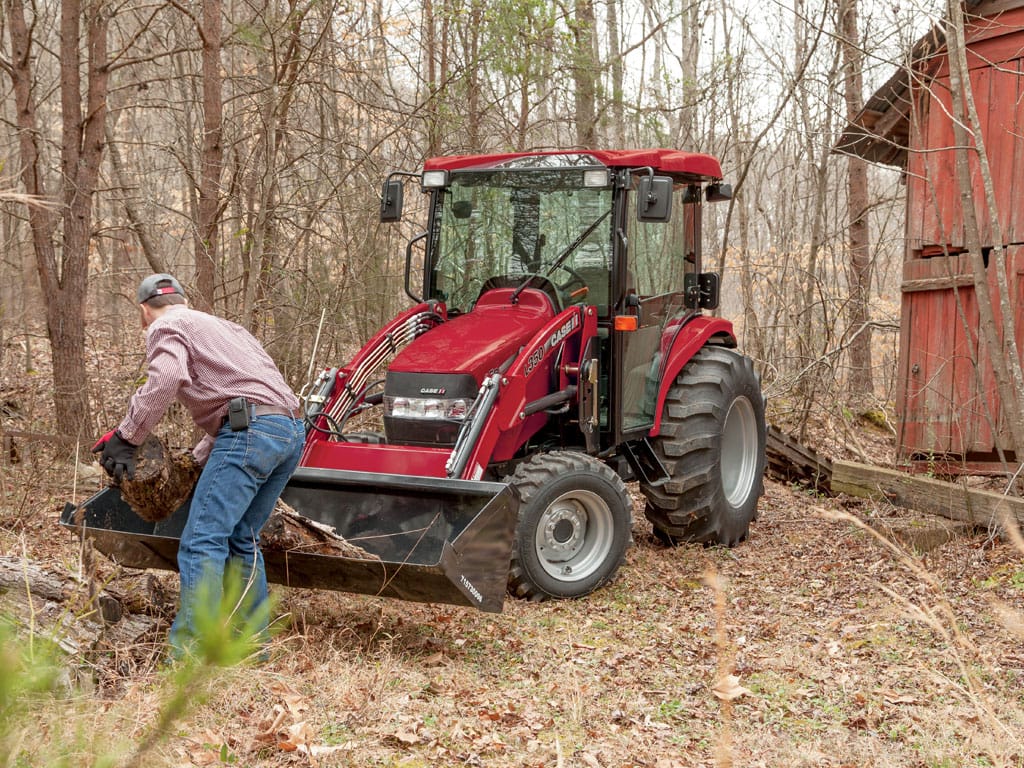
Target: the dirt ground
pixel 812 644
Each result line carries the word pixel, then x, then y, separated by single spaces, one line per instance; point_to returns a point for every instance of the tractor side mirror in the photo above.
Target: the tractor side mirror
pixel 654 198
pixel 701 290
pixel 391 200
pixel 716 193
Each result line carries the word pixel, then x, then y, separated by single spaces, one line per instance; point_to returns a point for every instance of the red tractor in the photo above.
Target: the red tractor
pixel 556 348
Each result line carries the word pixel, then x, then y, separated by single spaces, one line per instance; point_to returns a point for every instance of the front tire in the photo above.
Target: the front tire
pixel 712 442
pixel 575 525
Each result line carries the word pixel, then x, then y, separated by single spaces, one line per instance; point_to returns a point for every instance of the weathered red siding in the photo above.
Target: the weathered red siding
pixel 947 397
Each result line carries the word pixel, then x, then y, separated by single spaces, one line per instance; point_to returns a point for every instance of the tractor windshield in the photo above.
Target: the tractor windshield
pixel 496 227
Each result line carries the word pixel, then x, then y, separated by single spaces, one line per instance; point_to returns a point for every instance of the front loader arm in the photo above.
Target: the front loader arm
pixel 339 390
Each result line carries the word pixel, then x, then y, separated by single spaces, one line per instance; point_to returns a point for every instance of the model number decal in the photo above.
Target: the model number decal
pixel 552 341
pixel 471 589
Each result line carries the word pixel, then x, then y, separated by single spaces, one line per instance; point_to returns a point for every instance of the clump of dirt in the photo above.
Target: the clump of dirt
pixel 288 531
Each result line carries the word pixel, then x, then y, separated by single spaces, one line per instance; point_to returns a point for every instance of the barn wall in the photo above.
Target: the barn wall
pixel 950 405
pixel 947 397
pixel 934 206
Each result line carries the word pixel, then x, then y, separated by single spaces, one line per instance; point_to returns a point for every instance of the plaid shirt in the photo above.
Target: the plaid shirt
pixel 203 361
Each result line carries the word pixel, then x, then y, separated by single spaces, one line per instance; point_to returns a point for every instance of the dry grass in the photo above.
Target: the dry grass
pixel 846 651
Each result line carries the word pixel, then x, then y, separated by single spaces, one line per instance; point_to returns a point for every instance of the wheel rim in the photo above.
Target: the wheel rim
pixel 574 536
pixel 739 451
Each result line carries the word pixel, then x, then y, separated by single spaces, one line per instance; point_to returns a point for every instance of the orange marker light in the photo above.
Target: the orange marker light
pixel 625 323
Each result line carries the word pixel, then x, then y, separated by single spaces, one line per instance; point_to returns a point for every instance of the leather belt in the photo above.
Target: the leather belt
pixel 265 410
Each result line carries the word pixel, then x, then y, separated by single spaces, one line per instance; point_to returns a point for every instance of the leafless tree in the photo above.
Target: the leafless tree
pixel 61 236
pixel 246 143
pixel 860 383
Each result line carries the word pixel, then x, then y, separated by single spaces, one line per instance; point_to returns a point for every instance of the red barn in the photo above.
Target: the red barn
pixel 948 407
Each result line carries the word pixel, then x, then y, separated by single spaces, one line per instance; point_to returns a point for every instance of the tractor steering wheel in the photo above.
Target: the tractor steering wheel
pixel 576 279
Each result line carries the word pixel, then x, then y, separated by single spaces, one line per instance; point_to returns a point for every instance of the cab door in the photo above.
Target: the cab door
pixel 659 256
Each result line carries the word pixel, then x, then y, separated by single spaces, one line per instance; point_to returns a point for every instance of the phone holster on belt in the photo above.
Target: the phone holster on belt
pixel 238 414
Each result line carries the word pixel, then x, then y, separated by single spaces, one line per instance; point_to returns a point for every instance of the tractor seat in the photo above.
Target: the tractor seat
pixel 514 281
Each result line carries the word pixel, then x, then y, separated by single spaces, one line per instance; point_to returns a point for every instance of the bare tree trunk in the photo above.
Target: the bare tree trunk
pixel 691 34
pixel 738 131
pixel 811 311
pixel 614 53
pixel 861 381
pixel 135 218
pixel 63 272
pixel 212 160
pixel 474 126
pixel 430 56
pixel 753 146
pixel 584 74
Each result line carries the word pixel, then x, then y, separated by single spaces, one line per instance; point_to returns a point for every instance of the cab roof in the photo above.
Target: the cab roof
pixel 667 161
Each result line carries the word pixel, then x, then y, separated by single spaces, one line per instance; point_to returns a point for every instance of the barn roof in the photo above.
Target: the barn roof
pixel 880 131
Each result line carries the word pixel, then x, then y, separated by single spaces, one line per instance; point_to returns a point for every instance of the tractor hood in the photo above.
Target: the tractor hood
pixel 478 342
pixel 432 382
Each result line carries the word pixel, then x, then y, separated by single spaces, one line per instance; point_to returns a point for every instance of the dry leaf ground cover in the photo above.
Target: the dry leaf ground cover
pixel 812 644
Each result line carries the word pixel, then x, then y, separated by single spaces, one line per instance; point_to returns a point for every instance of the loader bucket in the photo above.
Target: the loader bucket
pixel 439 541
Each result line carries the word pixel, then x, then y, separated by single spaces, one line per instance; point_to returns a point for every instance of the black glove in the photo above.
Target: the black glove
pixel 118 457
pixel 102 441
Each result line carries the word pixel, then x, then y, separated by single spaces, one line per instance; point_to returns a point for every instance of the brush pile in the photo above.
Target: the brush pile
pixel 288 531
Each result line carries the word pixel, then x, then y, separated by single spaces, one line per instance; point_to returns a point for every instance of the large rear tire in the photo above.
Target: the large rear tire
pixel 575 525
pixel 712 442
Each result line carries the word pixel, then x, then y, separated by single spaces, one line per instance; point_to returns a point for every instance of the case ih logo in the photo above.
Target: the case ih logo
pixel 432 390
pixel 552 341
pixel 570 324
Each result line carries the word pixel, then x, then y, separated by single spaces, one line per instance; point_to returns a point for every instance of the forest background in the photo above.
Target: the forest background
pixel 241 146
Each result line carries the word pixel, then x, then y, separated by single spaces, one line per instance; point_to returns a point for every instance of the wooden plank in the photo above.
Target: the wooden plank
pixel 925 494
pixel 1013 190
pixel 791 461
pixel 1001 134
pixel 937 283
pixel 959 340
pixel 982 87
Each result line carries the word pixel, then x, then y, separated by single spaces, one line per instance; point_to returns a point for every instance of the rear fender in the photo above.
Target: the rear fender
pixel 529 378
pixel 685 343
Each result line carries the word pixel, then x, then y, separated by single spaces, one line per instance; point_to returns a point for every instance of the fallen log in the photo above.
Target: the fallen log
pixel 953 501
pixel 73 613
pixel 162 481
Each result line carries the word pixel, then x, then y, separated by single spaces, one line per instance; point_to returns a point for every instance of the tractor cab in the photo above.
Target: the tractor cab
pixel 617 232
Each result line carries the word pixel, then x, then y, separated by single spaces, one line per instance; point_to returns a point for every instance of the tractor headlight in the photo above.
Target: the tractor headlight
pixel 436 408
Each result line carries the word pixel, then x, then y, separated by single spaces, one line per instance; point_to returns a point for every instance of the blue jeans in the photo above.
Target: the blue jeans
pixel 236 492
